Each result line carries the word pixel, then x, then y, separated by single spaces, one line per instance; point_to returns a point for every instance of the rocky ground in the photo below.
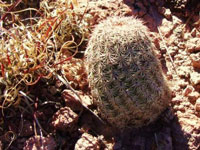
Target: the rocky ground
pixel 62 122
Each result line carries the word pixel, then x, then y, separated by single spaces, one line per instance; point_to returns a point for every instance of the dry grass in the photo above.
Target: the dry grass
pixel 35 47
pixel 35 42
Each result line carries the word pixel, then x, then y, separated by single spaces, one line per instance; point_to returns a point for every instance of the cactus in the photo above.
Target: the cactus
pixel 124 74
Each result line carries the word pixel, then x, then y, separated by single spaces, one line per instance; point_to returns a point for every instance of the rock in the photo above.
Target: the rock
pixel 178 4
pixel 172 50
pixel 183 71
pixel 188 90
pixel 198 33
pixel 176 21
pixel 193 32
pixel 65 120
pixel 40 142
pixel 195 78
pixel 161 10
pixel 178 32
pixel 87 142
pixel 86 100
pixel 179 108
pixel 158 54
pixel 180 141
pixel 197 105
pixel 165 12
pixel 187 36
pixel 100 9
pixel 166 27
pixel 74 71
pixel 193 96
pixel 168 14
pixel 193 45
pixel 186 104
pixel 175 86
pixel 72 101
pixel 188 124
pixel 171 41
pixel 27 129
pixel 177 100
pixel 190 127
pixel 182 83
pixel 195 58
pixel 181 45
pixel 1 146
pixel 156 40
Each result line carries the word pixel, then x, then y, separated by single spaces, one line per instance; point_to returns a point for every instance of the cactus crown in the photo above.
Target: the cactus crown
pixel 124 74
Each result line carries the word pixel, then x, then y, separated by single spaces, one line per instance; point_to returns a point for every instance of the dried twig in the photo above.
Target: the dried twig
pixel 29 105
pixel 170 57
pixel 156 139
pixel 66 82
pixel 12 138
pixel 172 62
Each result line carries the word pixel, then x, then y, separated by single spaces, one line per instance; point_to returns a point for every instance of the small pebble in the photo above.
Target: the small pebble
pixel 188 90
pixel 87 142
pixel 197 105
pixel 195 78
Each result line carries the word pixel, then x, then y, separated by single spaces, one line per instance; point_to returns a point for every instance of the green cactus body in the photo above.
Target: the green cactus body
pixel 124 74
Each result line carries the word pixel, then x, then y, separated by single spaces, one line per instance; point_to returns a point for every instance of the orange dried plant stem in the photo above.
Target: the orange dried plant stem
pixel 11 7
pixel 2 70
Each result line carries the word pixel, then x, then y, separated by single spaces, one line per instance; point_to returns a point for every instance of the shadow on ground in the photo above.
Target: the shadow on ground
pixel 164 134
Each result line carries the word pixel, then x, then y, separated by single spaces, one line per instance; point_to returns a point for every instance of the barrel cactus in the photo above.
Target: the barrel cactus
pixel 124 74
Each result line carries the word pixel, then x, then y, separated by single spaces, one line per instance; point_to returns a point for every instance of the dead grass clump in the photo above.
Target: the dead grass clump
pixel 29 52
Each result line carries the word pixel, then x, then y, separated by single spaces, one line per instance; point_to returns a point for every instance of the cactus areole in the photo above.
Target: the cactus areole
pixel 124 74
